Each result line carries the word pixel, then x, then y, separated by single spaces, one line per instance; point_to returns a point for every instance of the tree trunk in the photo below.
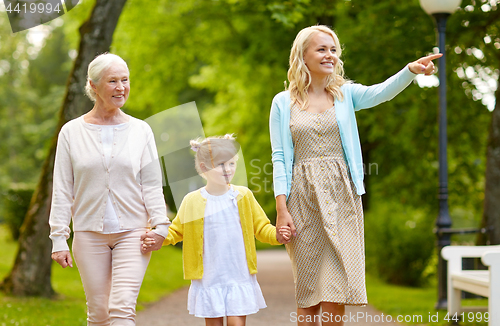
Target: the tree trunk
pixel 31 272
pixel 491 213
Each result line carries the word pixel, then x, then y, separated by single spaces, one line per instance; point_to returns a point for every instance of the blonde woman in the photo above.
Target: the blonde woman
pixel 107 182
pixel 318 172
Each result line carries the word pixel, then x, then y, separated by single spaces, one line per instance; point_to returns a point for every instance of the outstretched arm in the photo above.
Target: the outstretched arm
pixel 364 97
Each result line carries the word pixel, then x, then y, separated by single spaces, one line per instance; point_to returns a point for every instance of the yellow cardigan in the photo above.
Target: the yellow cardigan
pixel 188 227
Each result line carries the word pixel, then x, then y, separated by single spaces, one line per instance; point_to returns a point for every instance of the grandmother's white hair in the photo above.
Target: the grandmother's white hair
pixel 97 68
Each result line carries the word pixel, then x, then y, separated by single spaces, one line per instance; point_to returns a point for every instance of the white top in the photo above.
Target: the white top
pixel 111 223
pixel 84 183
pixel 227 287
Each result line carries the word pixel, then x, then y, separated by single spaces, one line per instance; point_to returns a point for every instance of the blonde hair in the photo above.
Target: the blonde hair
pixel 298 73
pixel 213 151
pixel 97 68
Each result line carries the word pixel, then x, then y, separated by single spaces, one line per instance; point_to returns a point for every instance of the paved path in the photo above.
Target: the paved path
pixel 276 280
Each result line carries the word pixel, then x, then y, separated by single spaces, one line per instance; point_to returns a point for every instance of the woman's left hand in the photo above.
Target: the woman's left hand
pixel 151 241
pixel 424 65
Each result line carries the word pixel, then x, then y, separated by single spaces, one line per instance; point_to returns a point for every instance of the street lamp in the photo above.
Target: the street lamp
pixel 441 10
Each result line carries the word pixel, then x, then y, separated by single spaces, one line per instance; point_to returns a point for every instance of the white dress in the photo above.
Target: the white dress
pixel 227 287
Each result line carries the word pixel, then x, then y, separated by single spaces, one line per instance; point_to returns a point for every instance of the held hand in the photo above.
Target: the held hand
pixel 424 65
pixel 63 258
pixel 151 241
pixel 283 234
pixel 284 219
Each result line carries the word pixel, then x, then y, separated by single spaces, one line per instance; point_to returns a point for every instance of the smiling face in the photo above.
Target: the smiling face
pixel 320 56
pixel 113 88
pixel 222 174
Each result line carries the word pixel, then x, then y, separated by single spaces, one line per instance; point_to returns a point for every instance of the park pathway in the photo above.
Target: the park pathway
pixel 276 280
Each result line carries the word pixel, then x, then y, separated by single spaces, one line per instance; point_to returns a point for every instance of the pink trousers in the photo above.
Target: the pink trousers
pixel 112 269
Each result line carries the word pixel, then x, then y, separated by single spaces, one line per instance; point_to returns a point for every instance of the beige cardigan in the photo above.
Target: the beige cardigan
pixel 82 180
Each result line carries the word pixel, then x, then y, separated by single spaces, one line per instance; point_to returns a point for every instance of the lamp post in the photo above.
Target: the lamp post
pixel 441 10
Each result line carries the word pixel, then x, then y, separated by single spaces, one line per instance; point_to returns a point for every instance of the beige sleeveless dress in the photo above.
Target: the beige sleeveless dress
pixel 328 252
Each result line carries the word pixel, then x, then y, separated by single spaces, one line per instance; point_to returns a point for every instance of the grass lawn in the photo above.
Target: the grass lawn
pixel 164 275
pixel 415 304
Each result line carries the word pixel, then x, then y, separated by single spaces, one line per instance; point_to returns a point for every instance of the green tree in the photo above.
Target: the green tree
pixel 31 272
pixel 27 116
pixel 476 45
pixel 17 103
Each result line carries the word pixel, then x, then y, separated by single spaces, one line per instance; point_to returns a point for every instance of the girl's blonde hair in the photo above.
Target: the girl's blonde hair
pixel 97 68
pixel 299 75
pixel 213 151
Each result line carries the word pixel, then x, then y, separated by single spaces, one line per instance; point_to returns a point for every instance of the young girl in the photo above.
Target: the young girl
pixel 217 224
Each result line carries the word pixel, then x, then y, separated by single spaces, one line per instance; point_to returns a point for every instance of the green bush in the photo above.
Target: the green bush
pixel 399 243
pixel 16 204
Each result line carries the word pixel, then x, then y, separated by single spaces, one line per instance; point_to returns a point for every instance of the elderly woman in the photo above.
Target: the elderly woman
pixel 318 172
pixel 106 178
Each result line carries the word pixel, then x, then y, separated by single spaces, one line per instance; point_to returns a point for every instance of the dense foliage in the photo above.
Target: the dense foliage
pixel 231 57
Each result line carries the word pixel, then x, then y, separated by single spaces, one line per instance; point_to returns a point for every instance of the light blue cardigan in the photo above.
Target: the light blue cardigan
pixel 356 97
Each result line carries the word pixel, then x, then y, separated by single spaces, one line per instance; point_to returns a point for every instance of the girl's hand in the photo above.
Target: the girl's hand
pixel 284 218
pixel 283 234
pixel 424 65
pixel 284 225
